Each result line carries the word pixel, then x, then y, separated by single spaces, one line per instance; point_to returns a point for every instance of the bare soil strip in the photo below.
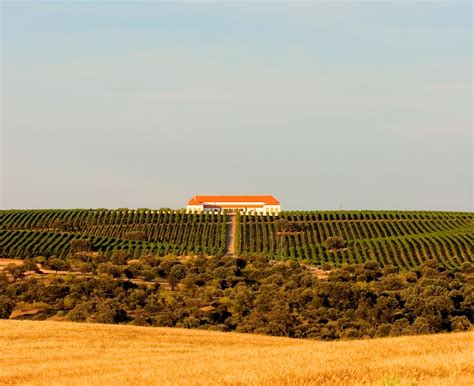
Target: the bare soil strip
pixel 231 231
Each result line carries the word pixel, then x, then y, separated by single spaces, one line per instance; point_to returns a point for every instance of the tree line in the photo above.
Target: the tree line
pixel 243 294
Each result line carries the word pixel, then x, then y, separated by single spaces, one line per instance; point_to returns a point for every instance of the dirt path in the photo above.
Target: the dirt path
pixel 5 262
pixel 231 230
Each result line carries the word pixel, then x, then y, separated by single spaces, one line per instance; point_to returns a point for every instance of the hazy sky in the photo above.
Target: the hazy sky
pixel 364 105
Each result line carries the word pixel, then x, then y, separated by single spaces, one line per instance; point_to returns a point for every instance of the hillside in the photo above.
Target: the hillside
pixel 41 353
pixel 400 238
pixel 26 233
pixel 403 239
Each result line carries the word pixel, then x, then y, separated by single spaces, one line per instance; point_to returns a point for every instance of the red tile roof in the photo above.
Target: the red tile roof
pixel 267 200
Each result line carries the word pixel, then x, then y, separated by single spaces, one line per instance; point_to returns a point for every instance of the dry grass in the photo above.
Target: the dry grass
pixel 67 353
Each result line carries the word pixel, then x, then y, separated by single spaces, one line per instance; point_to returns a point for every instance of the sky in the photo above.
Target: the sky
pixel 325 105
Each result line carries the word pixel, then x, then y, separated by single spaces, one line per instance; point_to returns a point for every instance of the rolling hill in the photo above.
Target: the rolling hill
pixel 401 238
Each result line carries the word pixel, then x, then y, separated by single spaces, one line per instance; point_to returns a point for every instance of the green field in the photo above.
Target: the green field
pixel 27 233
pixel 404 239
pixel 401 238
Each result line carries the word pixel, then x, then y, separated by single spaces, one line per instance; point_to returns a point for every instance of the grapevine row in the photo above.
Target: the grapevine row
pixel 164 230
pixel 404 239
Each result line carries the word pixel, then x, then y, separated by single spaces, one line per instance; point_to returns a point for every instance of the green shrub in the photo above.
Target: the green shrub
pixel 335 242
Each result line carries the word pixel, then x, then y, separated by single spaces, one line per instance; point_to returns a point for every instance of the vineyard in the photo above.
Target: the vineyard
pixel 27 233
pixel 404 239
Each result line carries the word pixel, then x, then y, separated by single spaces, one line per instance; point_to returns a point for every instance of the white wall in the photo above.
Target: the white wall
pixel 263 209
pixel 194 208
pixel 272 208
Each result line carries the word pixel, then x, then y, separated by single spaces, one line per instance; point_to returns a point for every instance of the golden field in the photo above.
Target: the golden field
pixel 42 353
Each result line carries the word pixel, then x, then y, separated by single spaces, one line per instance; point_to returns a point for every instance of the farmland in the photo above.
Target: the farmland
pixel 27 233
pixel 402 239
pixel 38 353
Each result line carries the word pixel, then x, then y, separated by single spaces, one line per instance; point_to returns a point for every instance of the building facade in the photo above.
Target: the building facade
pixel 243 204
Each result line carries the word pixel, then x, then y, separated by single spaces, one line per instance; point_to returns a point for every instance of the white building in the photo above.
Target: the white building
pixel 244 204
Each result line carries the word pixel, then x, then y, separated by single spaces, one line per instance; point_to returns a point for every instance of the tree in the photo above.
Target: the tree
pixel 30 265
pixel 6 307
pixel 148 275
pixel 110 311
pixel 140 318
pixel 467 267
pixel 119 257
pixel 283 225
pixel 15 271
pixel 335 242
pixel 421 325
pixel 388 269
pixel 62 225
pixel 57 264
pixel 177 272
pixel 110 269
pixel 80 313
pixel 134 235
pixel 383 330
pixel 460 323
pixel 80 245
